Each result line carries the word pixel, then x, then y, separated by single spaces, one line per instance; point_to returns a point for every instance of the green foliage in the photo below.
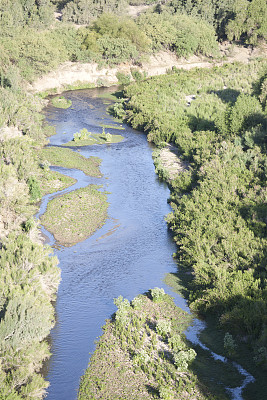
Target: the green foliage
pixel 232 19
pixel 121 315
pixel 121 303
pixel 229 343
pixel 84 134
pixel 29 224
pixel 83 11
pixel 245 113
pixel 61 102
pixel 157 294
pixel 118 110
pixel 165 393
pixel 137 75
pixel 141 358
pixel 219 204
pixel 183 358
pixel 263 91
pixel 163 327
pixel 116 50
pixel 123 79
pixel 249 20
pixel 34 13
pixel 176 342
pixel 261 356
pixel 27 315
pixel 184 34
pixel 121 27
pixel 34 189
pixel 137 303
pixel 132 361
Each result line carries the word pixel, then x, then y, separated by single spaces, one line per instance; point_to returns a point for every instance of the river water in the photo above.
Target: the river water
pixel 130 254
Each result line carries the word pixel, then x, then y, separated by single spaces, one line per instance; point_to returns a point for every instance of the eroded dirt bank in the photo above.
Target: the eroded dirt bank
pixel 70 73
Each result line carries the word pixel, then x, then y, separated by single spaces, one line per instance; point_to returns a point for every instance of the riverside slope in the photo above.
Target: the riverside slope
pixel 69 73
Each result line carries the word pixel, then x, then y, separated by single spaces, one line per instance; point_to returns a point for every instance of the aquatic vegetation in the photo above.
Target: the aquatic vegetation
pixel 70 159
pixel 61 102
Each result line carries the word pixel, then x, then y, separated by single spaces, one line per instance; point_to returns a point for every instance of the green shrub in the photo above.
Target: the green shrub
pixel 163 327
pixel 157 294
pixel 116 50
pixel 229 344
pixel 83 134
pixel 123 79
pixel 34 189
pixel 183 358
pixel 176 343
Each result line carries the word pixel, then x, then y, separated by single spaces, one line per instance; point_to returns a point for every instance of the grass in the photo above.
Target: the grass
pixel 95 138
pixel 216 374
pixel 111 96
pixel 213 337
pixel 53 181
pixel 134 361
pixel 73 217
pixel 70 159
pixel 61 102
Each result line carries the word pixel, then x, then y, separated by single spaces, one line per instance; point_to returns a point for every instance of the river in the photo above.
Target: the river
pixel 130 254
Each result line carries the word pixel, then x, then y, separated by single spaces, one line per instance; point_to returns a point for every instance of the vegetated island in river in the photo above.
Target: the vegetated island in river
pixel 86 138
pixel 143 354
pixel 74 216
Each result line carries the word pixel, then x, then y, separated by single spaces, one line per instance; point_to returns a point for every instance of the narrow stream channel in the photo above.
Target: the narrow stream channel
pixel 130 254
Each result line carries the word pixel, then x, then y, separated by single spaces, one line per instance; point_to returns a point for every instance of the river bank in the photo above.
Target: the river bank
pixel 116 227
pixel 123 257
pixel 71 75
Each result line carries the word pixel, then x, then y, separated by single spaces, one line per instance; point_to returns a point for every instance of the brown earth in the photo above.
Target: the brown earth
pixel 70 73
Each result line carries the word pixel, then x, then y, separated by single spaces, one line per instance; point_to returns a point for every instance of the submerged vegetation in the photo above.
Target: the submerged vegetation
pixel 61 102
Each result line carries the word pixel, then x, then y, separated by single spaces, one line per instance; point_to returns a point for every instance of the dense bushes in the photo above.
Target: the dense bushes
pixel 35 13
pixel 29 276
pixel 143 354
pixel 239 19
pixel 114 40
pixel 219 206
pixel 28 280
pixel 183 34
pixel 84 11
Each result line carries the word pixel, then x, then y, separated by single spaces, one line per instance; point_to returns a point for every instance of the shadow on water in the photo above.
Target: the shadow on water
pixel 131 253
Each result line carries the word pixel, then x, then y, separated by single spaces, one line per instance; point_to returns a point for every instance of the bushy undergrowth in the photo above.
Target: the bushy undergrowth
pixel 29 276
pixel 219 205
pixel 143 354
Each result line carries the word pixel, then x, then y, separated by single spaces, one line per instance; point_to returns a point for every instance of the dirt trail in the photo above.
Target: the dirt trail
pixel 69 73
